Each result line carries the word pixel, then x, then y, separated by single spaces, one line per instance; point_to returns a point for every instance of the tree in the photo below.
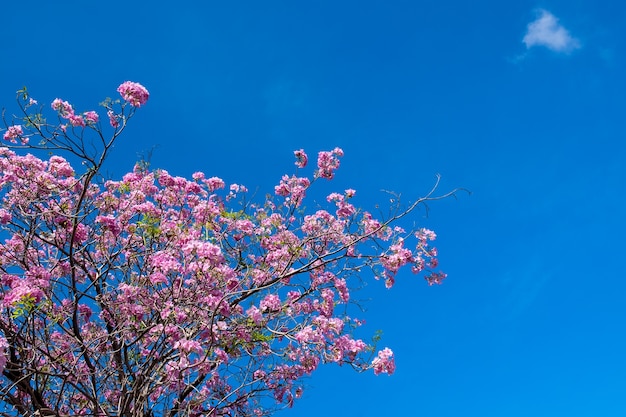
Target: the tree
pixel 160 295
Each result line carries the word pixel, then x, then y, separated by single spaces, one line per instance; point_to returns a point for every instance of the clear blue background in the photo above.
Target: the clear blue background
pixel 531 321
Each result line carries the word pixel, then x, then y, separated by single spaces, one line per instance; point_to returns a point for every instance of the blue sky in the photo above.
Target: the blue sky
pixel 522 102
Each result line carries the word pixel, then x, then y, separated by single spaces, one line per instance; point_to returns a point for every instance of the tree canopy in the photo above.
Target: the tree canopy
pixel 157 295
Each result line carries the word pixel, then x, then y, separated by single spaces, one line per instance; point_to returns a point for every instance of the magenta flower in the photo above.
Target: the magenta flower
pixel 5 216
pixel 293 187
pixel 301 158
pixel 113 119
pixel 134 93
pixel 22 291
pixel 12 133
pixel 270 303
pixel 328 162
pixel 215 183
pixel 3 357
pixel 63 107
pixel 91 117
pixel 76 120
pixel 384 363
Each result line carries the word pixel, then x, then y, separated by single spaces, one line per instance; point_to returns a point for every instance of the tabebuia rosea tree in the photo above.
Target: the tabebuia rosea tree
pixel 156 295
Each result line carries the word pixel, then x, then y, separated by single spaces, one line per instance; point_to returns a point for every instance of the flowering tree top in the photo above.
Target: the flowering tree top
pixel 157 295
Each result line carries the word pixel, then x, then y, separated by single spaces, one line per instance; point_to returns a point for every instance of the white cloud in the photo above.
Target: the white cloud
pixel 546 31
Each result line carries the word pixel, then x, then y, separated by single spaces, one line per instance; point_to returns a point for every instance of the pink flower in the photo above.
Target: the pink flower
pixel 236 188
pixel 188 346
pixel 328 162
pixel 134 93
pixel 5 216
pixel 113 119
pixel 271 302
pixel 85 311
pixel 425 234
pixel 384 362
pixel 399 257
pixel 215 183
pixel 308 335
pixel 301 158
pixel 294 187
pixel 59 167
pixel 221 355
pixel 63 107
pixel 23 291
pixel 91 117
pixel 14 132
pixel 3 357
pixel 76 120
pixel 255 314
pixel 344 209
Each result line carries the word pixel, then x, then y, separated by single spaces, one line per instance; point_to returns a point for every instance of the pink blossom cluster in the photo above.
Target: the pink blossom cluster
pixel 91 117
pixel 64 108
pixel 134 93
pixel 384 362
pixel 66 111
pixel 328 162
pixel 344 209
pixel 113 119
pixel 294 188
pixel 13 133
pixel 301 158
pixel 22 292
